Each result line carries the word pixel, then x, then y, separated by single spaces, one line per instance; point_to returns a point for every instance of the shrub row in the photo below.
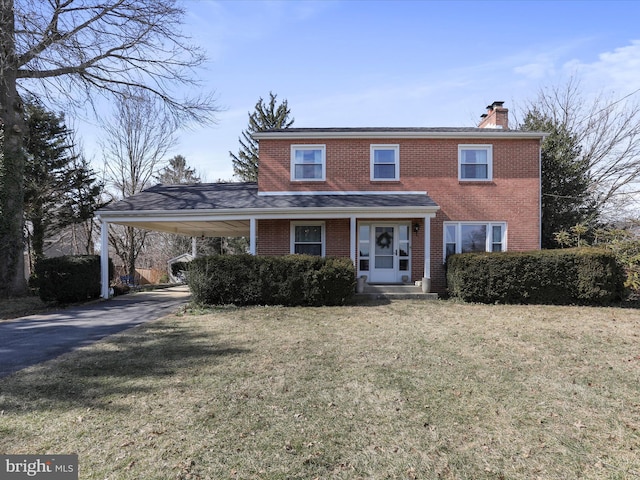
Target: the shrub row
pixel 571 276
pixel 68 279
pixel 283 280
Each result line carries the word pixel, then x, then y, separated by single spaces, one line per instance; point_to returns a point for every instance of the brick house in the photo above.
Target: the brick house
pixel 396 201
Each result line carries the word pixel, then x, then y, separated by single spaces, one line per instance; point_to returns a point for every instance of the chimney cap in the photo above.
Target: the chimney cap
pixel 496 104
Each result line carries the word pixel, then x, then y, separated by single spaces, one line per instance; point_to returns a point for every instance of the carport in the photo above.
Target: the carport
pixel 200 210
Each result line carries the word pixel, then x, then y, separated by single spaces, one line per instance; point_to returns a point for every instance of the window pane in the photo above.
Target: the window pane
pixel 474 238
pixel 308 156
pixel 496 247
pixel 384 241
pixel 364 265
pixel 404 265
pixel 364 249
pixel 384 156
pixel 474 156
pixel 309 249
pixel 308 171
pixel 384 262
pixel 404 232
pixel 384 171
pixel 497 234
pixel 404 249
pixel 364 232
pixel 474 171
pixel 451 249
pixel 450 234
pixel 308 233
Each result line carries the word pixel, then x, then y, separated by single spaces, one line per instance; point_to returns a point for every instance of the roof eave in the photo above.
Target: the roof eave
pixel 488 133
pixel 116 215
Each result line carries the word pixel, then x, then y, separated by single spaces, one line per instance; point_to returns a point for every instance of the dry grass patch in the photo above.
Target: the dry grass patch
pixel 404 390
pixel 20 306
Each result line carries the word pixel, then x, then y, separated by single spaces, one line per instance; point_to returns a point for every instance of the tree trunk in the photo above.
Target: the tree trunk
pixel 131 254
pixel 12 165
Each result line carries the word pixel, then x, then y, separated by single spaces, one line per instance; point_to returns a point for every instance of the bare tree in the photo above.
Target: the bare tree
pixel 608 132
pixel 75 49
pixel 136 140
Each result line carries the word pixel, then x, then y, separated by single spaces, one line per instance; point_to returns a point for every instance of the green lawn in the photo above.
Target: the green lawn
pixel 407 390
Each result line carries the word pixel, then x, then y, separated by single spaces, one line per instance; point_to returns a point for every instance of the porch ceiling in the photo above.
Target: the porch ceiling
pixel 228 228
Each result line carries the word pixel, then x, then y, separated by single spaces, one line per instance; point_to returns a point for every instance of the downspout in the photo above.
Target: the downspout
pixel 540 197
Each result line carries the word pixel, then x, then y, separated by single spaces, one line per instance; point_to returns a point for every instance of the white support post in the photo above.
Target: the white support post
pixel 352 238
pixel 426 277
pixel 194 247
pixel 252 236
pixel 104 259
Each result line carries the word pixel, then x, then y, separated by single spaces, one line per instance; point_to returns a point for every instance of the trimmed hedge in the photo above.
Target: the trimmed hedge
pixel 271 280
pixel 584 276
pixel 68 279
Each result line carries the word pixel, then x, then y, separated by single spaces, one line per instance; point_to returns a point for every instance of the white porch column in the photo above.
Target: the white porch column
pixel 104 259
pixel 427 253
pixel 194 247
pixel 252 236
pixel 352 238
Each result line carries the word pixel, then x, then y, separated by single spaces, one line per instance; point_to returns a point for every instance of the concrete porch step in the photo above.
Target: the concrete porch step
pixel 395 292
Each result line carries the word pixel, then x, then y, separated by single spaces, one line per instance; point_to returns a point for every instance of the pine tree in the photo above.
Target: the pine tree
pixel 266 116
pixel 178 173
pixel 60 187
pixel 566 182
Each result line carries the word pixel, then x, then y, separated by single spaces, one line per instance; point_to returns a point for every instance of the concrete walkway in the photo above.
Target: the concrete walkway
pixel 30 340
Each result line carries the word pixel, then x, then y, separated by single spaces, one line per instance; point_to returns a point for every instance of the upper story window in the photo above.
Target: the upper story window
pixel 308 162
pixel 385 162
pixel 475 162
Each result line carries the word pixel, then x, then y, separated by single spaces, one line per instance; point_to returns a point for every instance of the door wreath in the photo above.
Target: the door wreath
pixel 384 240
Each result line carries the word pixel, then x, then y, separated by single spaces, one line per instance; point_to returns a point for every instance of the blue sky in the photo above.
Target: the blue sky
pixel 398 63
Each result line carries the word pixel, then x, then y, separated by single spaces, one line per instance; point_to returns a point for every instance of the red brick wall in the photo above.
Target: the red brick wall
pixel 274 237
pixel 430 165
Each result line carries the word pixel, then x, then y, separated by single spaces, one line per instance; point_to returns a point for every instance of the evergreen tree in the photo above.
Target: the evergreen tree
pixel 567 198
pixel 60 187
pixel 178 173
pixel 266 116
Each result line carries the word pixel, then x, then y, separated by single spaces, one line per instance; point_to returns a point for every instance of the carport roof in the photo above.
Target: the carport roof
pixel 231 197
pixel 227 209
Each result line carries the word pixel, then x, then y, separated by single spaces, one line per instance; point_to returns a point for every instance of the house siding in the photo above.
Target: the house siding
pixel 431 165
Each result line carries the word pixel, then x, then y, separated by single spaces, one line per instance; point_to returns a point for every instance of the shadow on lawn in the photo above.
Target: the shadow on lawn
pixel 147 360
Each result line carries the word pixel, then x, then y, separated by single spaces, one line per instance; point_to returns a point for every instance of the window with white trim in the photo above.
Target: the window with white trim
pixel 463 237
pixel 308 238
pixel 475 162
pixel 308 162
pixel 385 162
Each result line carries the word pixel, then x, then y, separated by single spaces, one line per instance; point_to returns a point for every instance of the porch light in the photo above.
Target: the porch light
pixel 416 228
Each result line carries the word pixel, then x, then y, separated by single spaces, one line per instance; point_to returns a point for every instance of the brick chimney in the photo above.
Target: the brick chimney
pixel 496 117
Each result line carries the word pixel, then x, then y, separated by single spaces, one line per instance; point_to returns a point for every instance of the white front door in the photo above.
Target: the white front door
pixel 384 254
pixel 389 261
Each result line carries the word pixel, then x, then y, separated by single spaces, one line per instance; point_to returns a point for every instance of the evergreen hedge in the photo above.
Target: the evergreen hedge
pixel 583 276
pixel 271 280
pixel 68 279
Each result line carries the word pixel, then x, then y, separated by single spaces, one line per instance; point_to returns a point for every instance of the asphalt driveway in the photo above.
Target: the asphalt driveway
pixel 33 339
